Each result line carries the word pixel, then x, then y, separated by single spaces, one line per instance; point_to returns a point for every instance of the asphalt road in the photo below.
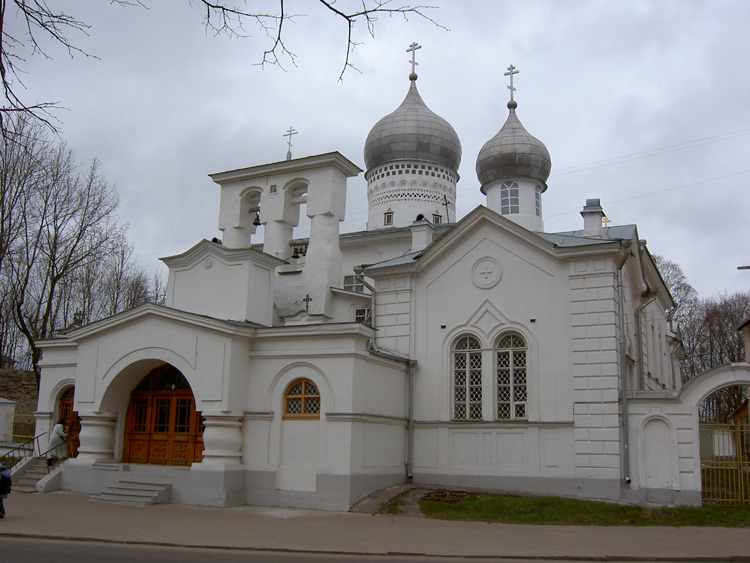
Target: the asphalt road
pixel 26 550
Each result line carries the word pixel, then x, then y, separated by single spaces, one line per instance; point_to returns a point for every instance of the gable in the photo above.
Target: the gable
pixel 223 283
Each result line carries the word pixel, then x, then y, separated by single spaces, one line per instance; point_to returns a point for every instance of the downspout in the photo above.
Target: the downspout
pixel 623 369
pixel 410 425
pixel 412 365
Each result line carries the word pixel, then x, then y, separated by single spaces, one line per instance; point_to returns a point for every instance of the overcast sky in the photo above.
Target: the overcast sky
pixel 643 104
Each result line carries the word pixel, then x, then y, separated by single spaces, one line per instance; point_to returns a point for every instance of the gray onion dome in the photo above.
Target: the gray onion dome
pixel 513 153
pixel 413 132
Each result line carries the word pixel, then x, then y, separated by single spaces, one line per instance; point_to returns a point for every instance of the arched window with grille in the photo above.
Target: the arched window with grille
pixel 302 400
pixel 509 199
pixel 467 379
pixel 512 386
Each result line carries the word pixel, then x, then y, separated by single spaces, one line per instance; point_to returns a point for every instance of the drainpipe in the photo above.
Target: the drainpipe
pixel 412 364
pixel 410 425
pixel 624 368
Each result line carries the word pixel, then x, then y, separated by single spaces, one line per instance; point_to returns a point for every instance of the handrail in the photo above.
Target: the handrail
pixel 43 455
pixel 24 447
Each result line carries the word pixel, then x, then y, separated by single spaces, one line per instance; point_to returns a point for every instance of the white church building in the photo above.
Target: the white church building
pixel 481 353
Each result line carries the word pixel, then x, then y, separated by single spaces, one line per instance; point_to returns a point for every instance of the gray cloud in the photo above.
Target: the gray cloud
pixel 165 104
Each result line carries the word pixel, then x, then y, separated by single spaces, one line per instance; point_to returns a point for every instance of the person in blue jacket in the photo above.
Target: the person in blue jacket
pixel 5 483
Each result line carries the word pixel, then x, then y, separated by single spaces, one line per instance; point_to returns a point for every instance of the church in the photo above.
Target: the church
pixel 480 353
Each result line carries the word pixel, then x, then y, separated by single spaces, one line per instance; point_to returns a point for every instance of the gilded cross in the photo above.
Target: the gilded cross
pixel 606 221
pixel 307 300
pixel 511 71
pixel 289 141
pixel 413 50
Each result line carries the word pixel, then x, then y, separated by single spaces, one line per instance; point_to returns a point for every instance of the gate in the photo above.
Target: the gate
pixel 725 463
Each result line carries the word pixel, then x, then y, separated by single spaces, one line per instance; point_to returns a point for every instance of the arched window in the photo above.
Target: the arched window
pixel 302 400
pixel 509 200
pixel 538 200
pixel 467 379
pixel 512 396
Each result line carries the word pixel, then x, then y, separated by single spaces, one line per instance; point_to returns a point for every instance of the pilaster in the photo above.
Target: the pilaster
pixel 596 407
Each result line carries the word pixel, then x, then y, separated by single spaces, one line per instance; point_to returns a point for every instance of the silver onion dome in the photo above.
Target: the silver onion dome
pixel 413 132
pixel 513 153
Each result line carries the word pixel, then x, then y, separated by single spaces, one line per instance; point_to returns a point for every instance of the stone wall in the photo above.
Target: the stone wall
pixel 19 386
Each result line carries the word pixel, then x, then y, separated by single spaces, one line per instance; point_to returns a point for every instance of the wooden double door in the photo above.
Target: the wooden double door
pixel 71 422
pixel 162 426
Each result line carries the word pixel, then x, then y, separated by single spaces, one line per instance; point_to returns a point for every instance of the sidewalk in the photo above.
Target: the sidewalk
pixel 65 515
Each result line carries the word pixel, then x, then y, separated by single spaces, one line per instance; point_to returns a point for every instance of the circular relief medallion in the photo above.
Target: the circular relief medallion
pixel 486 272
pixel 207 263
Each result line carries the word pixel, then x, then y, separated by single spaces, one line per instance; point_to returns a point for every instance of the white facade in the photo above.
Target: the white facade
pixel 473 354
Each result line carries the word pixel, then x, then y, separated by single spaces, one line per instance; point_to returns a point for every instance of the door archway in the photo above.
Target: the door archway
pixel 162 425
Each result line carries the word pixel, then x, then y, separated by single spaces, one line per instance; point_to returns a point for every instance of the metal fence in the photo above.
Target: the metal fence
pixel 725 463
pixel 23 426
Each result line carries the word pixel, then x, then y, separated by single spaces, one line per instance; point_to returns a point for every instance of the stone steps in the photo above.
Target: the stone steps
pixel 33 473
pixel 132 491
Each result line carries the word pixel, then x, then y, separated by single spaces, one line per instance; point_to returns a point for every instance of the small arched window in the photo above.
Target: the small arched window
pixel 302 400
pixel 512 395
pixel 467 379
pixel 538 200
pixel 509 199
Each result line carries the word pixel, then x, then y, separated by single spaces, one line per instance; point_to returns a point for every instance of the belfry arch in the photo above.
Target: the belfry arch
pixel 162 425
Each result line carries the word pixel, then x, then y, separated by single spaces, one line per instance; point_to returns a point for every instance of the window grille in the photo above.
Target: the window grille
pixel 351 283
pixel 509 198
pixel 363 315
pixel 302 400
pixel 467 379
pixel 512 390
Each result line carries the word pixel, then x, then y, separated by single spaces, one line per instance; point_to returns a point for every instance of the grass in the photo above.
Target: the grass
pixel 573 512
pixel 391 507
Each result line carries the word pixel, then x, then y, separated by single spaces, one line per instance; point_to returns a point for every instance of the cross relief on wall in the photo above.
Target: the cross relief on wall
pixel 486 272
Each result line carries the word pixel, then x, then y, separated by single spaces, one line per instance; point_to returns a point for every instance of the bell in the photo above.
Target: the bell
pixel 256 221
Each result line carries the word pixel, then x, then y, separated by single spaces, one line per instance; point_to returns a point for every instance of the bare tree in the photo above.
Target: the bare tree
pixel 708 329
pixel 230 19
pixel 711 338
pixel 40 24
pixel 68 224
pixel 64 258
pixel 684 295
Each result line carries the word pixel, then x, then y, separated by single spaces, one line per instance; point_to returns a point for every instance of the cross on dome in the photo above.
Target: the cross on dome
pixel 289 134
pixel 413 50
pixel 511 71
